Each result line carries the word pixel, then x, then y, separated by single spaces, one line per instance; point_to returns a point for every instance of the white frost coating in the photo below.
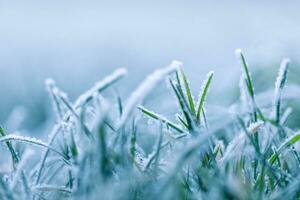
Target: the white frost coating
pixel 285 115
pixel 234 148
pixel 51 188
pixel 287 142
pixel 56 94
pixel 30 140
pixel 281 78
pixel 282 72
pixel 51 138
pixel 145 87
pixel 253 127
pixel 279 84
pixel 50 82
pixel 51 86
pixel 116 75
pixel 237 145
pixel 238 52
pixel 209 75
pixel 22 138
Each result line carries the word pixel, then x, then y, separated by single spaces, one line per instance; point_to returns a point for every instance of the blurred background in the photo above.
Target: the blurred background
pixel 79 42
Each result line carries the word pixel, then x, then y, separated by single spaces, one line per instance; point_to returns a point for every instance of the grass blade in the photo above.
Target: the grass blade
pixel 14 155
pixel 99 87
pixel 52 188
pixel 144 88
pixel 188 92
pixel 184 106
pixel 279 85
pixel 33 141
pixel 288 143
pixel 156 116
pixel 250 88
pixel 203 94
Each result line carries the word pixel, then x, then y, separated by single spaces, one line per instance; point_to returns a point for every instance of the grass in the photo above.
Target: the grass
pixel 99 147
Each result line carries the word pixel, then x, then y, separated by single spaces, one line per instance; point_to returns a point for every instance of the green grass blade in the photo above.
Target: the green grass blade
pixel 51 139
pixel 182 121
pixel 80 120
pixel 156 116
pixel 188 92
pixel 205 119
pixel 133 141
pixel 203 93
pixel 99 87
pixel 33 141
pixel 249 83
pixel 288 143
pixel 250 88
pixel 183 105
pixel 279 85
pixel 120 105
pixel 14 155
pixel 142 91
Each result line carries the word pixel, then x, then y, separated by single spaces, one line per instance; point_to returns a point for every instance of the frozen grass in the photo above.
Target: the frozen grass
pixel 99 149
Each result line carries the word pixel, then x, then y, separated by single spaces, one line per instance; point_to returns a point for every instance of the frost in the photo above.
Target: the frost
pixel 30 140
pixel 131 162
pixel 254 127
pixel 52 188
pixel 99 86
pixel 145 87
pixel 279 85
pixel 234 148
pixel 238 52
pixel 282 73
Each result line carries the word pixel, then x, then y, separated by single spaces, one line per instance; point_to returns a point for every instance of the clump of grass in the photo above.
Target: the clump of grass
pixel 100 147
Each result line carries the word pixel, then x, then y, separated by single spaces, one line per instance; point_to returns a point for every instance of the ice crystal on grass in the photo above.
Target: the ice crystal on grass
pixel 145 87
pixel 99 148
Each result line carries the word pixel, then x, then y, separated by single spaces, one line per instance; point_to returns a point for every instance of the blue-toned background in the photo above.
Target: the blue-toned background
pixel 79 42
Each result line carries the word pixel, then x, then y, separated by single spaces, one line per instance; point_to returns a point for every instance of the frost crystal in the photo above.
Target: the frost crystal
pixel 145 87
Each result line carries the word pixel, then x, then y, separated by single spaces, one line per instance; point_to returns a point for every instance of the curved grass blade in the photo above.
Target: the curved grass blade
pixel 81 122
pixel 155 154
pixel 16 161
pixel 144 88
pixel 203 94
pixel 188 92
pixel 99 87
pixel 14 155
pixel 51 139
pixel 33 141
pixel 250 88
pixel 60 98
pixel 249 83
pixel 52 188
pixel 182 121
pixel 288 143
pixel 156 116
pixel 184 106
pixel 81 100
pixel 279 85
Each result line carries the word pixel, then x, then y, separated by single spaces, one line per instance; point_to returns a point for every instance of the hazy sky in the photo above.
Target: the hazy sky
pixel 78 42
